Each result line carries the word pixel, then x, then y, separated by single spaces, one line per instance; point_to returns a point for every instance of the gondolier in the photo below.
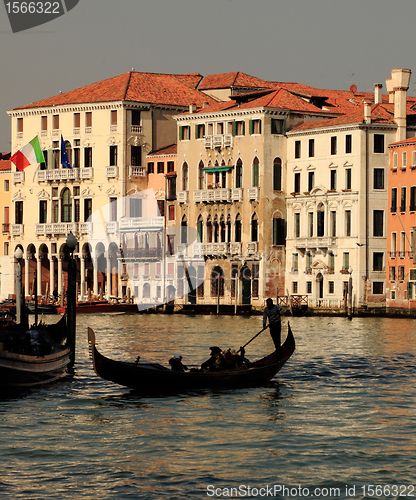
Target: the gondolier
pixel 273 312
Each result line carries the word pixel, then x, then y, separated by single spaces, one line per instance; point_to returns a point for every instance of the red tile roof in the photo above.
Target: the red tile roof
pixel 230 80
pixel 5 165
pixel 410 140
pixel 149 88
pixel 169 150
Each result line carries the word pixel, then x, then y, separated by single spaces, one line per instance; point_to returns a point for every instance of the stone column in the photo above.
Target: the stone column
pixel 108 280
pixel 95 273
pixel 39 276
pixel 82 287
pixel 60 284
pixel 27 289
pixel 51 276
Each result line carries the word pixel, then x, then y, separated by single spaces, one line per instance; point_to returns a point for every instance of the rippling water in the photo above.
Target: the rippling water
pixel 341 414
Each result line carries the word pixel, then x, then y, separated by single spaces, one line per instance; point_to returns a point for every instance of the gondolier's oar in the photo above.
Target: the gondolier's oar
pixel 255 336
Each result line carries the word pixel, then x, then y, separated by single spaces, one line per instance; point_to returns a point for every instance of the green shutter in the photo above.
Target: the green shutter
pixel 275 231
pixel 283 127
pixel 250 127
pixel 255 175
pixel 243 129
pixel 197 131
pixel 234 130
pixel 409 290
pixel 180 133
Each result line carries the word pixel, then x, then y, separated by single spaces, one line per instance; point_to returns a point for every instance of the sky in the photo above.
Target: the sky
pixel 328 44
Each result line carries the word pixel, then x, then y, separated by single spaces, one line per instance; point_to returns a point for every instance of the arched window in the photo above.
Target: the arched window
pixel 254 227
pixel 222 229
pixel 256 173
pixel 201 175
pixel 200 229
pixel 146 291
pixel 185 177
pixel 320 226
pixel 217 282
pixel 278 231
pixel 228 228
pixel 209 230
pixel 238 228
pixel 66 205
pixel 239 174
pixel 277 174
pixel 216 240
pixel 184 230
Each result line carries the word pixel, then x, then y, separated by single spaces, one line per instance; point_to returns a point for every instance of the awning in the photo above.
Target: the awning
pixel 221 169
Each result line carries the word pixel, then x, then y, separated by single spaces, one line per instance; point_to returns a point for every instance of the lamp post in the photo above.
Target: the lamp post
pixel 71 242
pixel 350 293
pixel 18 254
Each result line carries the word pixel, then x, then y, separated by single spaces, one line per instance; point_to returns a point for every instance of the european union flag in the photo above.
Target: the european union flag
pixel 64 155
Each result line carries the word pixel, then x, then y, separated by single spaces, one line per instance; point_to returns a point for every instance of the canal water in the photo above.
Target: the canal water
pixel 339 420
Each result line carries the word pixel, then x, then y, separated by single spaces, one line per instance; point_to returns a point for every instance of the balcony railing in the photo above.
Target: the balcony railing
pixel 112 227
pixel 59 174
pixel 210 195
pixel 235 248
pixel 17 229
pixel 137 171
pixel 183 196
pixel 253 193
pixel 18 177
pixel 133 223
pixel 237 194
pixel 112 172
pixel 57 228
pixel 215 248
pixel 252 247
pixel 218 141
pixel 142 253
pixel 136 129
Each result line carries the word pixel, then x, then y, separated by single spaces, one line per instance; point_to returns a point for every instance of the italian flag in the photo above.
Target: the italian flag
pixel 28 155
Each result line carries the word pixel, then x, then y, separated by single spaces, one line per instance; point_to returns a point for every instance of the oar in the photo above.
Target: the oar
pixel 255 336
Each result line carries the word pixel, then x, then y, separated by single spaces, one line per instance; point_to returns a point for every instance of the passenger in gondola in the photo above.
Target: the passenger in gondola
pixel 176 363
pixel 215 361
pixel 273 313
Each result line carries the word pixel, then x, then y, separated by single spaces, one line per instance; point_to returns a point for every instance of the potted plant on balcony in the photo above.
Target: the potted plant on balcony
pixel 210 186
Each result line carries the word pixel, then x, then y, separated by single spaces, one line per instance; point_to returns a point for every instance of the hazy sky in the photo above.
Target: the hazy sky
pixel 323 43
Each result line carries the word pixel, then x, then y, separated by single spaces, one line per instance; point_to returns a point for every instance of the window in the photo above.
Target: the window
pixel 297 225
pixel 136 117
pixel 333 180
pixel 347 222
pixel 6 219
pixel 256 173
pixel 161 207
pixel 113 209
pixel 378 261
pixel 393 245
pixel 238 128
pixel 401 273
pixel 55 122
pixel 378 288
pixel 184 133
pixel 185 177
pixel 394 161
pixel 347 178
pixel 277 174
pixel 171 166
pixel 77 154
pixel 311 148
pixel 56 149
pixel 254 228
pixel 237 228
pixel 239 174
pixel 333 145
pixel 297 149
pixel 320 226
pixel 77 122
pixel 404 159
pixel 66 205
pixel 136 207
pixel 171 212
pixel 88 120
pixel 278 231
pixel 295 287
pixel 6 248
pixel 184 231
pixel 113 156
pixel 392 273
pixel 6 185
pixel 199 131
pixel 151 167
pixel 44 123
pixel 402 245
pixel 87 209
pixel 278 126
pixel 345 261
pixel 297 182
pixel 331 261
pixel 160 167
pixel 412 206
pixel 378 143
pixel 333 223
pixel 255 126
pixel 331 287
pixel 42 211
pixel 171 187
pixel 309 287
pixel 311 180
pixel 393 200
pixel 378 220
pixel 310 224
pixel 87 157
pixel 413 158
pixel 136 156
pixel 295 266
pixel 77 209
pixel 379 178
pixel 348 143
pixel 403 200
pixel 113 118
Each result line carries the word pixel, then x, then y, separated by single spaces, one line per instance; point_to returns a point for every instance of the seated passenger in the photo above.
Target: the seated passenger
pixel 215 362
pixel 176 363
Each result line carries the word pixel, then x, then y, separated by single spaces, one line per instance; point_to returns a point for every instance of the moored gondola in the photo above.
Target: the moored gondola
pixel 153 377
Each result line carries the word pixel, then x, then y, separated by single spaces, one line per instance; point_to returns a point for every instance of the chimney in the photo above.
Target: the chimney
pixel 378 94
pixel 192 108
pixel 400 80
pixel 389 86
pixel 367 112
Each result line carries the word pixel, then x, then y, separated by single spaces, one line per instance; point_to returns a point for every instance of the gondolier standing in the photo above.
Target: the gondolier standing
pixel 273 312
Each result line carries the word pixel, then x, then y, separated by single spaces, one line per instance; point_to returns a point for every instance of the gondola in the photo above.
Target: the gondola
pixel 153 377
pixel 33 356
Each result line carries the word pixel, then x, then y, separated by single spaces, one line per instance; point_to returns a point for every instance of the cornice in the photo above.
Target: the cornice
pixel 72 108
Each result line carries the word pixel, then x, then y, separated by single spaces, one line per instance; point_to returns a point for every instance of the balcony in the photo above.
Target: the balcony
pixel 85 228
pixel 6 227
pixel 222 195
pixel 218 141
pixel 137 223
pixel 237 194
pixel 18 177
pixel 59 174
pixel 136 171
pixel 136 129
pixel 253 193
pixel 112 227
pixel 320 242
pixel 183 196
pixel 197 250
pixel 235 248
pixel 252 247
pixel 112 172
pixel 17 229
pixel 142 253
pixel 57 228
pixel 215 248
pixel 301 242
pixel 182 249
